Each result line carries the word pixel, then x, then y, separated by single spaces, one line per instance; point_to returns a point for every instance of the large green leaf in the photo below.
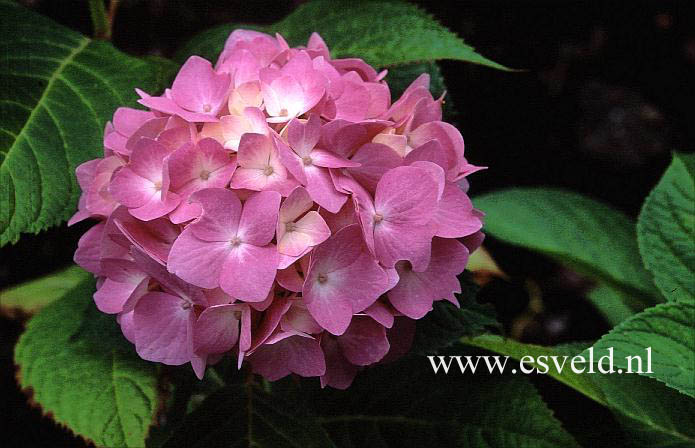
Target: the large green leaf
pixel 611 303
pixel 383 33
pixel 652 414
pixel 242 415
pixel 82 371
pixel 585 234
pixel 404 404
pixel 31 296
pixel 666 230
pixel 62 88
pixel 668 329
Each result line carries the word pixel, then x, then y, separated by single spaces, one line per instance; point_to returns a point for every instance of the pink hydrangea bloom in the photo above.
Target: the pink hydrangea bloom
pixel 279 208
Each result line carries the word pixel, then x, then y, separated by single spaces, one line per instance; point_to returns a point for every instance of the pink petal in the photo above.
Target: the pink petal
pixel 198 88
pixel 321 189
pixel 221 214
pixel 249 271
pixel 364 342
pixel 217 329
pixel 302 137
pixel 163 328
pixel 455 217
pixel 259 218
pixel 375 160
pixel 339 371
pixel 197 261
pixel 415 292
pixel 88 253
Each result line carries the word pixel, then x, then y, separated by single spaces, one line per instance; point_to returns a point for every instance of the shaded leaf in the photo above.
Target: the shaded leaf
pixel 33 295
pixel 65 87
pixel 241 415
pixel 666 230
pixel 587 235
pixel 83 372
pixel 382 33
pixel 652 414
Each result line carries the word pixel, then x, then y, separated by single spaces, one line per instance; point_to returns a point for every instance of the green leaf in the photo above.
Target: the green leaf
pixel 404 404
pixel 611 303
pixel 669 330
pixel 587 235
pixel 652 414
pixel 666 230
pixel 33 295
pixel 64 88
pixel 241 415
pixel 445 324
pixel 382 33
pixel 83 372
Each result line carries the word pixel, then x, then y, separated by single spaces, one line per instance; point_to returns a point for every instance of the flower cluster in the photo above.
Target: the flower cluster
pixel 279 207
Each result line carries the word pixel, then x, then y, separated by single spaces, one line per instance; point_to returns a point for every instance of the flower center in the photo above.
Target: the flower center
pixel 378 217
pixel 207 108
pixel 268 170
pixel 307 160
pixel 290 226
pixel 235 241
pixel 205 175
pixel 322 278
pixel 158 185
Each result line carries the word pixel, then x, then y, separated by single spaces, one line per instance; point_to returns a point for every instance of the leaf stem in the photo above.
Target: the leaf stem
pixel 100 20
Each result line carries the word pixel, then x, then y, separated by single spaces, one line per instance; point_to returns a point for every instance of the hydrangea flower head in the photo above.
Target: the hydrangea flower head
pixel 279 208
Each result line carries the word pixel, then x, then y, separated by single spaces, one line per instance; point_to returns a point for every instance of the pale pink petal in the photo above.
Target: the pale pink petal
pixel 455 217
pixel 197 261
pixel 221 214
pixel 198 88
pixel 249 271
pixel 259 218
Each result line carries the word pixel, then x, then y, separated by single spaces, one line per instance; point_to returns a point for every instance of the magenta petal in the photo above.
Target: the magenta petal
pixel 375 159
pixel 321 189
pixel 259 218
pixel 221 214
pixel 156 207
pixel 197 261
pixel 455 217
pixel 302 137
pixel 163 328
pixel 415 292
pixel 339 371
pixel 327 159
pixel 249 271
pixel 293 354
pixel 198 88
pixel 217 329
pixel 364 342
pixel 88 253
pixel 380 313
pixel 112 295
pixel 153 237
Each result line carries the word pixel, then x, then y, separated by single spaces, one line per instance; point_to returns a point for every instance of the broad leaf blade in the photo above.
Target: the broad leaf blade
pixel 666 230
pixel 64 88
pixel 81 370
pixel 669 330
pixel 652 414
pixel 382 33
pixel 404 404
pixel 585 234
pixel 241 415
pixel 33 295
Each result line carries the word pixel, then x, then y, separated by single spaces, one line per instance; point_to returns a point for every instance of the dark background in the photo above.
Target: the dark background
pixel 607 94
